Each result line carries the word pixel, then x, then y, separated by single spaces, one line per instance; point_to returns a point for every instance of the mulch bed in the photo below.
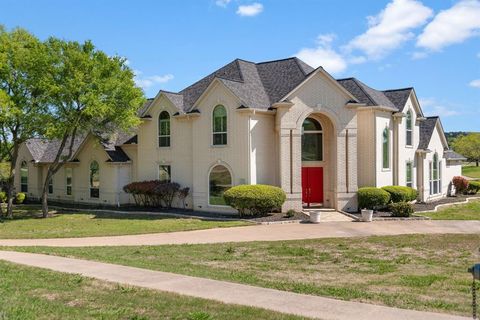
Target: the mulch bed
pixel 431 205
pixel 273 217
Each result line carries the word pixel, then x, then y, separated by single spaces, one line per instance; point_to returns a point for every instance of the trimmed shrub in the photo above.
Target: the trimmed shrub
pixel 20 197
pixel 460 184
pixel 254 199
pixel 401 209
pixel 401 193
pixel 372 198
pixel 3 197
pixel 155 193
pixel 473 187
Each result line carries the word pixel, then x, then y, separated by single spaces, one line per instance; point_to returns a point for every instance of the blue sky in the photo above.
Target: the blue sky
pixel 431 45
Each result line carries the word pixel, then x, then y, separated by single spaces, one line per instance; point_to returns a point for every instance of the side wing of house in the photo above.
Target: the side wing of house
pixel 28 175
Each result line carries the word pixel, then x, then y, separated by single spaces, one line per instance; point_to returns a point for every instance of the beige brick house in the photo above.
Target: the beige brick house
pixel 280 122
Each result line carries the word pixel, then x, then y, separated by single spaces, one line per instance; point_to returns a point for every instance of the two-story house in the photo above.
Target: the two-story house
pixel 280 122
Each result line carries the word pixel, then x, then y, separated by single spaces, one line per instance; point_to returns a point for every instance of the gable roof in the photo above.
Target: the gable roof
pixel 366 94
pixel 452 155
pixel 257 85
pixel 398 97
pixel 426 131
pixel 45 151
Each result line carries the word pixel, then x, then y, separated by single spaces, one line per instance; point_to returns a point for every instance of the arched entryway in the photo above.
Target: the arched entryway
pixel 317 148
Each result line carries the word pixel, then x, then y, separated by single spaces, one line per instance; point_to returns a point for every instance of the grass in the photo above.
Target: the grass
pixel 471 171
pixel 423 272
pixel 32 293
pixel 468 211
pixel 27 224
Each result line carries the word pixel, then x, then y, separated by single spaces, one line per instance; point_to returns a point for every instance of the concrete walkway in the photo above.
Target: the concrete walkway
pixel 226 292
pixel 274 232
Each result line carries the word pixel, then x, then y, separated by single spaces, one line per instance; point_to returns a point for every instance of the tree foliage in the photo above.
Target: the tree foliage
pixel 24 69
pixel 468 146
pixel 89 92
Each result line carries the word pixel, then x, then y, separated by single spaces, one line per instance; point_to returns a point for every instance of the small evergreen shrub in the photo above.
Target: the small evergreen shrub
pixel 401 209
pixel 254 199
pixel 372 198
pixel 3 197
pixel 290 213
pixel 473 187
pixel 20 197
pixel 401 193
pixel 460 183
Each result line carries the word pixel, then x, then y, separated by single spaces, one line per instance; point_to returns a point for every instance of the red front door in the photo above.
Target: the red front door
pixel 312 185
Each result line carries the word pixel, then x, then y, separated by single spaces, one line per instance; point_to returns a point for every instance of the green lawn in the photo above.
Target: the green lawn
pixel 32 293
pixel 471 171
pixel 27 224
pixel 423 272
pixel 469 211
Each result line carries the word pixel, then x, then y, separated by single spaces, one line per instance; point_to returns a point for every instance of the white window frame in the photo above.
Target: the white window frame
pixel 315 132
pixel 169 172
pixel 50 186
pixel 409 183
pixel 387 168
pixel 68 172
pixel 208 183
pixel 90 180
pixel 24 168
pixel 159 129
pixel 219 132
pixel 407 130
pixel 435 182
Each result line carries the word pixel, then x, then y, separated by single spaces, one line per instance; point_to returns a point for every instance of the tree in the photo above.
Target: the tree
pixel 91 92
pixel 469 146
pixel 23 105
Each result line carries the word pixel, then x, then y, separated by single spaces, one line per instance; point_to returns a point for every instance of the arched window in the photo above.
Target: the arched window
pixel 24 177
pixel 435 175
pixel 164 129
pixel 94 180
pixel 69 180
pixel 409 129
pixel 312 140
pixel 219 125
pixel 220 180
pixel 386 149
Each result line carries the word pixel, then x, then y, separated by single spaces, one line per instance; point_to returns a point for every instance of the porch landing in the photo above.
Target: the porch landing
pixel 328 215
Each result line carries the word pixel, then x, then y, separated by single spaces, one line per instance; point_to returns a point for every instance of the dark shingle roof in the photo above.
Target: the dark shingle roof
pixel 452 155
pixel 426 130
pixel 398 97
pixel 257 85
pixel 366 94
pixel 45 151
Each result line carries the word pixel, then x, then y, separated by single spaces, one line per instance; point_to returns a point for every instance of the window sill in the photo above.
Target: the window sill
pixel 218 145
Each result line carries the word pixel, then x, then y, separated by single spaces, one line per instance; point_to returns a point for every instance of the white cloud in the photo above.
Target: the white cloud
pixel 419 55
pixel 450 26
pixel 475 83
pixel 250 10
pixel 323 55
pixel 222 3
pixel 146 82
pixel 431 107
pixel 391 28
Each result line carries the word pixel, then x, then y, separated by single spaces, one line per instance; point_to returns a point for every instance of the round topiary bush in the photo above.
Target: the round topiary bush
pixel 401 193
pixel 254 199
pixel 372 198
pixel 20 197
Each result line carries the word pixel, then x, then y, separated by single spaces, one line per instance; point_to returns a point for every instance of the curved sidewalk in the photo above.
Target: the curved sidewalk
pixel 263 233
pixel 226 292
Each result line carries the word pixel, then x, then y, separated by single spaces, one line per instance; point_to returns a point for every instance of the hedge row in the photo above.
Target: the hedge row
pixel 156 193
pixel 19 197
pixel 377 198
pixel 254 199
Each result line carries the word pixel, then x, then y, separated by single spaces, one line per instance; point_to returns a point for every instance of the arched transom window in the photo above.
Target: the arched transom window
pixel 386 148
pixel 94 180
pixel 312 140
pixel 164 129
pixel 409 129
pixel 220 180
pixel 24 177
pixel 219 125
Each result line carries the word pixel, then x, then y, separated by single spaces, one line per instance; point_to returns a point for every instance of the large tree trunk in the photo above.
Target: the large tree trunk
pixel 45 198
pixel 477 162
pixel 11 181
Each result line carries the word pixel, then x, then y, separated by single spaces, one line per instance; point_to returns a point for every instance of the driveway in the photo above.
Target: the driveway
pixel 274 232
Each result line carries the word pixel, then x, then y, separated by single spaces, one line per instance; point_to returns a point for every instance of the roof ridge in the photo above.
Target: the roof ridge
pixel 360 84
pixel 401 89
pixel 349 78
pixel 297 61
pixel 277 60
pixel 166 91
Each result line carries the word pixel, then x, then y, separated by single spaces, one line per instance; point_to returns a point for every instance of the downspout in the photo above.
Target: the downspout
pixel 249 150
pixel 347 182
pixel 395 151
pixel 291 161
